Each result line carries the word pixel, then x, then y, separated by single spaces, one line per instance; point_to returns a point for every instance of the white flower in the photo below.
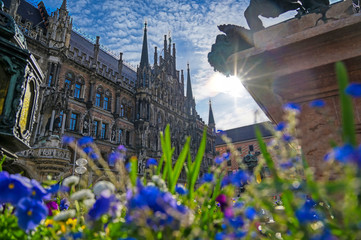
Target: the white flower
pixel 89 202
pixel 69 181
pixel 65 215
pixel 82 195
pixel 100 186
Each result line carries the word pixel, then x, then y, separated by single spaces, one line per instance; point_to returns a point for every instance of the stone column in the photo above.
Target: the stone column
pixel 52 121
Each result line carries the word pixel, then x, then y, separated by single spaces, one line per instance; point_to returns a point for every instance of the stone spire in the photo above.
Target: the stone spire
pixel 189 86
pixel 144 62
pixel 211 122
pixel 63 5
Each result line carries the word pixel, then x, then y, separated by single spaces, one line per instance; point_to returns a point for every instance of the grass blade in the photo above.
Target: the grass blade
pixel 197 163
pixel 179 165
pixel 348 126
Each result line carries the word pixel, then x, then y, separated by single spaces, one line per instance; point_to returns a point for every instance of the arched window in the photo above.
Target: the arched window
pixel 79 83
pixel 106 102
pixel 69 79
pixel 98 97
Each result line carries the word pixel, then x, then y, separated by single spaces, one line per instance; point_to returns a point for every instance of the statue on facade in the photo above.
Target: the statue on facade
pixel 237 38
pixel 86 126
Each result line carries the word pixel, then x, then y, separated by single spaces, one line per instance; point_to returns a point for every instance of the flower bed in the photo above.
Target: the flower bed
pixel 288 204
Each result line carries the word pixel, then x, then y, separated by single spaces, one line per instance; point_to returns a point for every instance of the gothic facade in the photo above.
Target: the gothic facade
pixel 89 92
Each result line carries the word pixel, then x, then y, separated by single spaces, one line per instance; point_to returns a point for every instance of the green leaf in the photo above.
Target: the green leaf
pixel 197 163
pixel 133 170
pixel 1 163
pixel 168 152
pixel 348 126
pixel 179 165
pixel 268 159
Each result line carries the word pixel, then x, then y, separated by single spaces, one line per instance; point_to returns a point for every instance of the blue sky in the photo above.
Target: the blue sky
pixel 193 28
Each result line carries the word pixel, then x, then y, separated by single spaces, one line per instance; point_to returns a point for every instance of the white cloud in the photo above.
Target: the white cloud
pixel 193 27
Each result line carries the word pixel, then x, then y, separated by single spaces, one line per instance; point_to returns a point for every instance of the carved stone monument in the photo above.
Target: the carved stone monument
pixel 294 62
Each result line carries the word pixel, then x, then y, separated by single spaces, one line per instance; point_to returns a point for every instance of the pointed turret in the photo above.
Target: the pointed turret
pixel 211 122
pixel 144 62
pixel 189 86
pixel 63 5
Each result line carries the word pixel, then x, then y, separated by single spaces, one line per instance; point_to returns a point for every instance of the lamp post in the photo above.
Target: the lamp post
pixel 81 169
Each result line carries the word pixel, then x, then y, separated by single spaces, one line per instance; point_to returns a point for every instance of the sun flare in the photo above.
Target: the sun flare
pixel 228 85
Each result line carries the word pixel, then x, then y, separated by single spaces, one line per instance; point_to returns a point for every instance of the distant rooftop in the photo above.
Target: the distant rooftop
pixel 245 133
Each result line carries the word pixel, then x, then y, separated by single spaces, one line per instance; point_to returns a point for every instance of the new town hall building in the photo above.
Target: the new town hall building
pixel 86 91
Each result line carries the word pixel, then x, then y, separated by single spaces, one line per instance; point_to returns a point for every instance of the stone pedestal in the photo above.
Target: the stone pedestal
pixel 294 62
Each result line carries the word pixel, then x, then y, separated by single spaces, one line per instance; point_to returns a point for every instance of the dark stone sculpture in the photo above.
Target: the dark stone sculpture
pixel 237 38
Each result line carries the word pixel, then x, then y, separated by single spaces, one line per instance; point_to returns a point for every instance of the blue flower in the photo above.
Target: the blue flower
pixel 94 156
pixel 113 158
pixel 287 138
pixel 13 188
pixel 292 107
pixel 286 165
pixel 180 190
pixel 30 212
pixel 226 156
pixel 239 178
pixel 348 154
pixel 88 149
pixel 221 131
pixel 64 204
pixel 250 213
pixel 280 126
pixel 354 89
pixel 317 103
pixel 218 160
pixel 151 161
pixel 101 206
pixel 236 222
pixel 208 177
pixel 67 140
pixel 306 213
pixel 85 140
pixel 38 192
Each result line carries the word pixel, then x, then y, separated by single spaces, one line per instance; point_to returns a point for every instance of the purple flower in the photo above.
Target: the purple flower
pixel 13 188
pixel 85 140
pixel 30 213
pixel 286 165
pixel 52 205
pixel 292 107
pixel 94 156
pixel 67 140
pixel 319 103
pixel 222 199
pixel 280 126
pixel 208 177
pixel 121 148
pixel 151 162
pixel 250 213
pixel 226 155
pixel 354 89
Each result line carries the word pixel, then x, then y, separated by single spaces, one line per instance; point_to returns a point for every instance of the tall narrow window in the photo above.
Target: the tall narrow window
pixel 120 135
pixel 67 84
pixel 122 110
pixel 50 80
pixel 73 121
pixel 104 130
pixel 127 138
pixel 61 115
pixel 97 99
pixel 106 103
pixel 95 128
pixel 77 90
